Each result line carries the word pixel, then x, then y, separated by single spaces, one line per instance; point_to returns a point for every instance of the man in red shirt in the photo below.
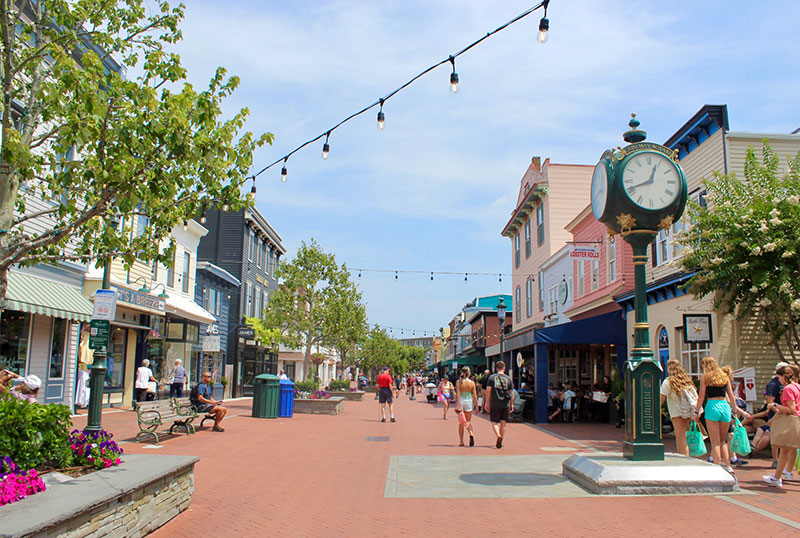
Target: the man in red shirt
pixel 384 383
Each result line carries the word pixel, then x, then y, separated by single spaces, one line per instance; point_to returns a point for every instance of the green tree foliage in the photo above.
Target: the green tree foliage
pixel 316 303
pixel 381 350
pixel 92 144
pixel 414 357
pixel 745 246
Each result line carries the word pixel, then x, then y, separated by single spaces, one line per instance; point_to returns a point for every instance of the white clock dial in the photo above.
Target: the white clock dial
pixel 599 190
pixel 651 180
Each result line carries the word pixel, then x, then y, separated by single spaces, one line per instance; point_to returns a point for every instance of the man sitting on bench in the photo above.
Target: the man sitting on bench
pixel 206 404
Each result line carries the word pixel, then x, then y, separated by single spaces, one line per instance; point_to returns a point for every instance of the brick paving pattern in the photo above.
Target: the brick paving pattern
pixel 314 475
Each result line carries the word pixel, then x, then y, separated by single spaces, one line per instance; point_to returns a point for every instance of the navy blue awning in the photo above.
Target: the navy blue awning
pixel 603 329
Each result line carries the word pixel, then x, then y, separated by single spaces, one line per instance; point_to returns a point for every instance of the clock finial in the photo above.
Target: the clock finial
pixel 634 135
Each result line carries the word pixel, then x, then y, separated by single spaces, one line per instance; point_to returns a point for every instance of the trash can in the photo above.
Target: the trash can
pixel 265 396
pixel 286 405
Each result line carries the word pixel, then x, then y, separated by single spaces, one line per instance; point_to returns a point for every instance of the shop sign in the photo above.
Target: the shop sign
pixel 211 343
pixel 99 330
pixel 585 251
pixel 261 280
pixel 105 305
pixel 248 333
pixel 141 300
pixel 212 329
pixel 697 328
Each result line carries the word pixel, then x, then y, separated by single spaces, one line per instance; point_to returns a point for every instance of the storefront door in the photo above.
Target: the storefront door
pixel 56 372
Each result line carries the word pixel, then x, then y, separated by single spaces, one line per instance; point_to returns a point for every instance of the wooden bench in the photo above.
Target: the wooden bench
pixel 184 407
pixel 153 414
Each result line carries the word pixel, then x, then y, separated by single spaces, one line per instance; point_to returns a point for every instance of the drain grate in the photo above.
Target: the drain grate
pixel 377 438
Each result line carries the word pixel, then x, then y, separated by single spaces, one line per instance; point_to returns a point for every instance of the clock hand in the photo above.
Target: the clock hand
pixel 648 181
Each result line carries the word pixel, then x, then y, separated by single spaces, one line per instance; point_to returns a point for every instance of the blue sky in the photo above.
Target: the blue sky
pixel 433 191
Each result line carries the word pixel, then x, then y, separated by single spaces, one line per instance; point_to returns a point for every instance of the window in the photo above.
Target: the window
pixel 666 247
pixel 115 361
pixel 257 299
pixel 248 244
pixel 192 332
pixel 171 272
pixel 612 260
pixel 259 252
pixel 141 225
pixel 187 262
pixel 263 302
pixel 212 300
pixel 516 250
pixel 541 292
pixel 662 247
pixel 14 341
pixel 174 330
pixel 553 296
pixel 540 224
pixel 528 239
pixel 517 304
pixel 691 355
pixel 528 298
pixel 57 342
pixel 264 251
pixel 581 278
pixel 595 274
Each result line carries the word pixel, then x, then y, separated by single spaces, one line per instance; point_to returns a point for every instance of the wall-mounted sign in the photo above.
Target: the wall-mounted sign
pixel 261 280
pixel 248 333
pixel 211 343
pixel 140 300
pixel 563 292
pixel 212 329
pixel 587 251
pixel 697 328
pixel 105 305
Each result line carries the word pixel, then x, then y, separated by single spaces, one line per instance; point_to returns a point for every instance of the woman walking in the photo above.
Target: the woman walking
pixel 144 376
pixel 466 396
pixel 785 428
pixel 445 390
pixel 716 387
pixel 681 396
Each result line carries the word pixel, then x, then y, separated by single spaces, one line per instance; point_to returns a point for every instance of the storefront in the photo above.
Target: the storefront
pixel 184 319
pixel 253 359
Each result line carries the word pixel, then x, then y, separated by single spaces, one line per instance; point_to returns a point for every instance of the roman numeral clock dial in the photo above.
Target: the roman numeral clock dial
pixel 651 180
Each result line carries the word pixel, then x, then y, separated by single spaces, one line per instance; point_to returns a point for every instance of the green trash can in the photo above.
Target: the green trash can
pixel 266 396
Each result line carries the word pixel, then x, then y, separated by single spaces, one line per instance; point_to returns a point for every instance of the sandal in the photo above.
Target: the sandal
pixel 218 429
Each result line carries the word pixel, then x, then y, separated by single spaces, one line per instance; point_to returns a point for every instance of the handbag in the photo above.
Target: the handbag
pixel 785 431
pixel 152 387
pixel 688 402
pixel 694 438
pixel 740 444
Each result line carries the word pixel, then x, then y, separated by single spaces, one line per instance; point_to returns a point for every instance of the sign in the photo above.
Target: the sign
pixel 140 300
pixel 697 328
pixel 261 280
pixel 99 330
pixel 519 360
pixel 211 343
pixel 212 329
pixel 105 305
pixel 744 384
pixel 563 292
pixel 248 333
pixel 585 252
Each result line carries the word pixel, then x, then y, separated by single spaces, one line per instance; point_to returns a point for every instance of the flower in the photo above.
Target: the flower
pixel 756 251
pixel 785 287
pixel 754 289
pixel 774 213
pixel 787 254
pixel 765 302
pixel 796 305
pixel 744 265
pixel 717 261
pixel 794 199
pixel 769 247
pixel 775 221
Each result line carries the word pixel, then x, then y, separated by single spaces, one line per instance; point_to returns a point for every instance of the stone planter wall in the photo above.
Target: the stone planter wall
pixel 133 499
pixel 331 406
pixel 356 396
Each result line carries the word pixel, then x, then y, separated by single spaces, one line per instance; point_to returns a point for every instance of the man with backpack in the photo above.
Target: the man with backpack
pixel 499 400
pixel 200 397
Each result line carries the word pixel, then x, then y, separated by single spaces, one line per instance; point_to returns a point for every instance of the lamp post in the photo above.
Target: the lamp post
pixel 501 318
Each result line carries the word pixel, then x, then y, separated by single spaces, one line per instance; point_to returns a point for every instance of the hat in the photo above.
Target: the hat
pixel 33 382
pixel 780 365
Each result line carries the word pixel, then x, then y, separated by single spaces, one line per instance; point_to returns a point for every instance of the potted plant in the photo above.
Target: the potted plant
pixel 224 381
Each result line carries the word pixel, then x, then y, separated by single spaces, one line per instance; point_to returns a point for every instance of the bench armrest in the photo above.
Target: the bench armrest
pixel 185 410
pixel 150 417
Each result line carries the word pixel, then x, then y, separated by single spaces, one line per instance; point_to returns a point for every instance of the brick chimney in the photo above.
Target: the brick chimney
pixel 536 162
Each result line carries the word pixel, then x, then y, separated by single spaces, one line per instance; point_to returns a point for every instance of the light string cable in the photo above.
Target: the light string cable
pixel 382 101
pixel 500 275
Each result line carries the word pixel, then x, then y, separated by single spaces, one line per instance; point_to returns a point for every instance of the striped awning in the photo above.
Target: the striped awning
pixel 35 295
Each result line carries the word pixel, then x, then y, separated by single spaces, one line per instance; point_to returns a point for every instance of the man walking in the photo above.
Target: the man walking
pixel 384 383
pixel 499 400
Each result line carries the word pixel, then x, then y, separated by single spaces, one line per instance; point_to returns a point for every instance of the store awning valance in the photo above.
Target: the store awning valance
pixel 603 329
pixel 35 295
pixel 183 307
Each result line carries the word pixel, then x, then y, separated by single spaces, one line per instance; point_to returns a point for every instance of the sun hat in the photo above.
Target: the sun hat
pixel 780 365
pixel 32 381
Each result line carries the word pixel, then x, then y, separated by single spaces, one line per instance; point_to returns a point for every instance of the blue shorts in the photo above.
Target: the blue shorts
pixel 718 411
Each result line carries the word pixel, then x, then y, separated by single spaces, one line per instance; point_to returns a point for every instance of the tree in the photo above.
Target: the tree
pixel 381 350
pixel 414 357
pixel 745 246
pixel 309 307
pixel 347 324
pixel 92 145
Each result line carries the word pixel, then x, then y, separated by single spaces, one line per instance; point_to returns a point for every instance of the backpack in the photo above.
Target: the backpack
pixel 194 393
pixel 501 387
pixel 688 402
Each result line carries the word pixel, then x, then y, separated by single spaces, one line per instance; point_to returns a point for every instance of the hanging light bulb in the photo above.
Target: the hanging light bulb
pixel 284 173
pixel 544 25
pixel 431 276
pixel 326 148
pixel 465 276
pixel 359 273
pixel 224 207
pixel 395 275
pixel 203 219
pixel 185 225
pixel 453 77
pixel 381 118
pixel 253 188
pixel 500 278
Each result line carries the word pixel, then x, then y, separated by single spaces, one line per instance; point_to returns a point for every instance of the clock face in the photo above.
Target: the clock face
pixel 599 190
pixel 563 292
pixel 651 180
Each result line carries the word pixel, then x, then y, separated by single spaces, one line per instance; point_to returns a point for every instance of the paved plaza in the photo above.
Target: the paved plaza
pixel 351 475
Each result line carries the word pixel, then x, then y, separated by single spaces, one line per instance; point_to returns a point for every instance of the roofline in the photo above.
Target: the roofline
pixel 578 218
pixel 255 215
pixel 707 110
pixel 219 272
pixel 788 137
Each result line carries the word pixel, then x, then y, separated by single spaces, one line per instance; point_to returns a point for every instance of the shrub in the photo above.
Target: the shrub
pixel 16 484
pixel 306 386
pixel 94 448
pixel 34 435
pixel 340 384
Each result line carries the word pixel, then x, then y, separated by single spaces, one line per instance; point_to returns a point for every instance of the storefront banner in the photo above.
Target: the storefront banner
pixel 583 252
pixel 211 343
pixel 141 300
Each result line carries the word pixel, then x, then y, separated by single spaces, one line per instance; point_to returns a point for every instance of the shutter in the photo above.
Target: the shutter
pixel 653 251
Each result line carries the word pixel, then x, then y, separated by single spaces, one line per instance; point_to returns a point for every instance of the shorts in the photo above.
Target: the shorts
pixel 498 414
pixel 204 407
pixel 467 404
pixel 718 411
pixel 385 395
pixel 765 428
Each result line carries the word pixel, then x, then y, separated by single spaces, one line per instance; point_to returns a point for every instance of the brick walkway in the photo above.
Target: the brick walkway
pixel 320 476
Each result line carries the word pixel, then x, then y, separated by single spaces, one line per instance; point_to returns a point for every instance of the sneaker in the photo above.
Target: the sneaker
pixel 710 459
pixel 772 481
pixel 393 420
pixel 787 475
pixel 729 469
pixel 499 443
pixel 774 464
pixel 383 420
pixel 471 441
pixel 740 462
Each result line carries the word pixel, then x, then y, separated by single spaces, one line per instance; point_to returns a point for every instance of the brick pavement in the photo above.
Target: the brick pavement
pixel 318 476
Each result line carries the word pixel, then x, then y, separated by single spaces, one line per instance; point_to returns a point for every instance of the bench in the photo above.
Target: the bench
pixel 153 414
pixel 184 407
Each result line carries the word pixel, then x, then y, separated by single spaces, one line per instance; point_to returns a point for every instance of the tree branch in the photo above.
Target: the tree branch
pixel 30 216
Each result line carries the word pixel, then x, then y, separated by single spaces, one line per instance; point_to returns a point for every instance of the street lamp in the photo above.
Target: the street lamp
pixel 501 317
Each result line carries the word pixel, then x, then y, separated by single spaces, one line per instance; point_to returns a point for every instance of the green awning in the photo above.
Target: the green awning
pixel 36 295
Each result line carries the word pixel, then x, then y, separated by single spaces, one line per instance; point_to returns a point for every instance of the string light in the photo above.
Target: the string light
pixel 224 207
pixel 544 26
pixel 253 189
pixel 185 225
pixel 465 276
pixel 326 148
pixel 284 173
pixel 395 275
pixel 431 276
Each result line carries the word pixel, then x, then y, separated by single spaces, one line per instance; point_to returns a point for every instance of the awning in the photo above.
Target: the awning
pixel 603 329
pixel 36 295
pixel 183 307
pixel 472 360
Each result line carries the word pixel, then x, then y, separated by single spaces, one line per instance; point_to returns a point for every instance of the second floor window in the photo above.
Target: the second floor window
pixel 528 298
pixel 528 239
pixel 541 292
pixel 595 274
pixel 517 303
pixel 612 260
pixel 516 250
pixel 540 224
pixel 171 272
pixel 553 296
pixel 581 278
pixel 187 263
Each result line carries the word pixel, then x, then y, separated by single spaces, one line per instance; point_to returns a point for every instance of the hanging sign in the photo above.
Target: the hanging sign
pixel 585 251
pixel 211 343
pixel 697 328
pixel 105 305
pixel 99 330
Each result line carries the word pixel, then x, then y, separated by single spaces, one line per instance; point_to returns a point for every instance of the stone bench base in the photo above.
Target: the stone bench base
pixel 331 406
pixel 356 396
pixel 133 499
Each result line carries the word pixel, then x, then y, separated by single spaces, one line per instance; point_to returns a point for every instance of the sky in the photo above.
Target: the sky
pixel 433 191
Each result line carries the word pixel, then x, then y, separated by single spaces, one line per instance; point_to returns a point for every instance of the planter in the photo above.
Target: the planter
pixel 331 406
pixel 133 499
pixel 372 389
pixel 356 396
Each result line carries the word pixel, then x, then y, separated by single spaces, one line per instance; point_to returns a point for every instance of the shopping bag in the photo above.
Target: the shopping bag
pixel 439 396
pixel 694 439
pixel 462 418
pixel 740 444
pixel 797 461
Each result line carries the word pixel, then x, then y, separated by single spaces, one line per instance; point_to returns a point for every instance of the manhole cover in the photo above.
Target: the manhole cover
pixel 377 438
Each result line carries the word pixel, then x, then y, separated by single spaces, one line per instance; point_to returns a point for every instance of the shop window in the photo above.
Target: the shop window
pixel 528 239
pixel 192 333
pixel 115 360
pixel 187 264
pixel 595 274
pixel 581 278
pixel 174 330
pixel 58 341
pixel 14 330
pixel 691 355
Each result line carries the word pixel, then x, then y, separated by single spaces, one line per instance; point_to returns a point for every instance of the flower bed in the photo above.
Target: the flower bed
pixel 16 484
pixel 326 406
pixel 94 449
pixel 351 395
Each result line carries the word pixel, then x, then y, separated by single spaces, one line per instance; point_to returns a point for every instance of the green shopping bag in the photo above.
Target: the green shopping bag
pixel 797 462
pixel 740 444
pixel 694 438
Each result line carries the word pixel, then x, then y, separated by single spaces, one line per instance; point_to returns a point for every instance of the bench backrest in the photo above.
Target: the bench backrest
pixel 164 408
pixel 183 402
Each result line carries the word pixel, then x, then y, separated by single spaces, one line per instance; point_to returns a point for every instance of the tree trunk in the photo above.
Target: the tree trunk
pixel 307 362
